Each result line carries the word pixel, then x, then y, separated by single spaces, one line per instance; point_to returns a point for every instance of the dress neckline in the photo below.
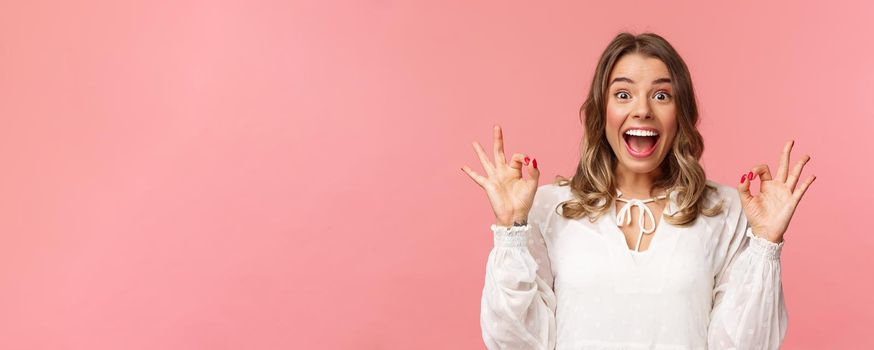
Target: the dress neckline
pixel 624 218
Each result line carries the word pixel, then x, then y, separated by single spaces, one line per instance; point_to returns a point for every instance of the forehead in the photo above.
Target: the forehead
pixel 639 68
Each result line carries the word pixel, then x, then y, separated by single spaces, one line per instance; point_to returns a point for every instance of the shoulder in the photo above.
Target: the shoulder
pixel 546 199
pixel 731 205
pixel 724 192
pixel 732 218
pixel 550 195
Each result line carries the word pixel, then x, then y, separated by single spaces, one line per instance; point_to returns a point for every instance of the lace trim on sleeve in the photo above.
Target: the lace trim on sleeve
pixel 515 236
pixel 763 246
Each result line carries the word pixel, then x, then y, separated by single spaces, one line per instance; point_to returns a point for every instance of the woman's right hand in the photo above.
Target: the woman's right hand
pixel 511 195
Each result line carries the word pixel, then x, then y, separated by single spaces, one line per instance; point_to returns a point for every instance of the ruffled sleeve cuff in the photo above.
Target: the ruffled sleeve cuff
pixel 514 236
pixel 763 247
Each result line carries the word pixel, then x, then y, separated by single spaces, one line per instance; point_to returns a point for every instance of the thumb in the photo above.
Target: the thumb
pixel 743 189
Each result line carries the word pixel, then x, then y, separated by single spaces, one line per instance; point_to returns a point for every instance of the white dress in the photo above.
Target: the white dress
pixel 572 284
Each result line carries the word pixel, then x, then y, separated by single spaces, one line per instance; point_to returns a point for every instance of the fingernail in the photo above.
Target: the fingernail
pixel 750 176
pixel 743 178
pixel 526 160
pixel 535 163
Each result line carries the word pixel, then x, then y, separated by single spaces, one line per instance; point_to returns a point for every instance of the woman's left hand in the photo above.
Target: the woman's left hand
pixel 769 212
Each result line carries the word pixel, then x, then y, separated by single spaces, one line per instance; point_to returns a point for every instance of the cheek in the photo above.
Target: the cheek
pixel 668 119
pixel 671 123
pixel 614 120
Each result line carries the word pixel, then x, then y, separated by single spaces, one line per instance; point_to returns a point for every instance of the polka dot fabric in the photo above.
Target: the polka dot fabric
pixel 574 284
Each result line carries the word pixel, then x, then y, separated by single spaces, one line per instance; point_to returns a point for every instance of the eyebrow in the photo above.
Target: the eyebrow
pixel 657 81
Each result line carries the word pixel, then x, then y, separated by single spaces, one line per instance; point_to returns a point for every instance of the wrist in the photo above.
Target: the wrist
pixel 764 247
pixel 514 221
pixel 768 236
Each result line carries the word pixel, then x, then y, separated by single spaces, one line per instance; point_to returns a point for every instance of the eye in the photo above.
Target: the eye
pixel 621 93
pixel 662 93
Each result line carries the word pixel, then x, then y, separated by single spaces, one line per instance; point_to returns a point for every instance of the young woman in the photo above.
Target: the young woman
pixel 573 269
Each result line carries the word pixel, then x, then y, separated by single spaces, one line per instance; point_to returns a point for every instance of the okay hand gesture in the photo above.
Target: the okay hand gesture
pixel 511 196
pixel 769 212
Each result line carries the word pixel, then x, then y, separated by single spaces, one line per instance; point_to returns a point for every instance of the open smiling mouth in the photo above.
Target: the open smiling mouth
pixel 641 143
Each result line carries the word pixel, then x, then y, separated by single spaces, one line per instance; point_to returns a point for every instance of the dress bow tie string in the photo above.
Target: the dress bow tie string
pixel 624 216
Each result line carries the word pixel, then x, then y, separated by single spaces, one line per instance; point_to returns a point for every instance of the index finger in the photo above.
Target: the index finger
pixel 783 171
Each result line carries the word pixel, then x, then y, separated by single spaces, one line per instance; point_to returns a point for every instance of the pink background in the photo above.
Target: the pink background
pixel 274 175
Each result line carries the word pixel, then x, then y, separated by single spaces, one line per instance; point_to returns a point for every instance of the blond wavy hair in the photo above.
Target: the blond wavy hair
pixel 594 184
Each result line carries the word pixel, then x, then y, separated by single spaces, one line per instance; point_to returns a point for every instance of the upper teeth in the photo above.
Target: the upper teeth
pixel 638 132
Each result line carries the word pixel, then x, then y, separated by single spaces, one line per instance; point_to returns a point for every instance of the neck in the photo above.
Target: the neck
pixel 637 185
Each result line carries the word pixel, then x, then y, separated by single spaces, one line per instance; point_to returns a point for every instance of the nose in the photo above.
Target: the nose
pixel 642 109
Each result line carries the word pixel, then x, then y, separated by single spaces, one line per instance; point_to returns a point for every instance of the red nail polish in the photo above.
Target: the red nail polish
pixel 526 160
pixel 535 163
pixel 743 178
pixel 750 175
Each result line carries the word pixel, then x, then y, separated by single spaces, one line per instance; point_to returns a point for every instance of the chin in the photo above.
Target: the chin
pixel 642 167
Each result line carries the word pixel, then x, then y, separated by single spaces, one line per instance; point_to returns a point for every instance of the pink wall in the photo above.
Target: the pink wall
pixel 229 175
